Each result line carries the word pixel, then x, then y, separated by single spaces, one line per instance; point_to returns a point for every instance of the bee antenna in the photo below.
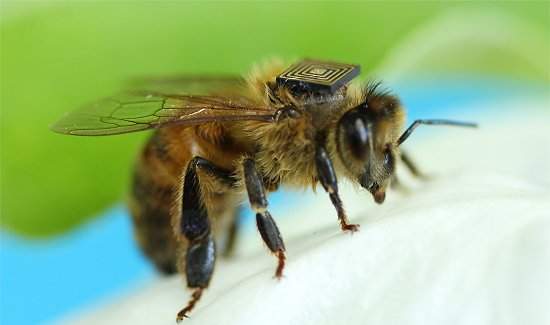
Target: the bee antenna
pixel 416 123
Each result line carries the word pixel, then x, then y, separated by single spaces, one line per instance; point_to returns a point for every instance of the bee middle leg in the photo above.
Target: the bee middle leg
pixel 194 225
pixel 327 177
pixel 265 223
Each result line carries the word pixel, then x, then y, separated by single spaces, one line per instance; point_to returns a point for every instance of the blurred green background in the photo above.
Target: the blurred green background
pixel 57 57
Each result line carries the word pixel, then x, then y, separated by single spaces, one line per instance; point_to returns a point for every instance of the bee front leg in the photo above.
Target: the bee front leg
pixel 327 177
pixel 411 166
pixel 194 225
pixel 265 223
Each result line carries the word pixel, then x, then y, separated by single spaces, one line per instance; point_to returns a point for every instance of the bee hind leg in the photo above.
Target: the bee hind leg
pixel 265 223
pixel 194 225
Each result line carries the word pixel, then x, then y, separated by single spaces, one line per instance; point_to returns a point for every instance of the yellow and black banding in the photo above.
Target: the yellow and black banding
pixel 311 76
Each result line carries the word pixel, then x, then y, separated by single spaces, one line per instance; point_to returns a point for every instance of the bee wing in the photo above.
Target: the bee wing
pixel 142 110
pixel 195 85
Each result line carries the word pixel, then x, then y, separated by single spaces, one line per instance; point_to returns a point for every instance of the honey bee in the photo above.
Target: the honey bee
pixel 220 139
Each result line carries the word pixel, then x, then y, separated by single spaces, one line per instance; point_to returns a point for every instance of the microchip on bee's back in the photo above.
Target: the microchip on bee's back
pixel 309 76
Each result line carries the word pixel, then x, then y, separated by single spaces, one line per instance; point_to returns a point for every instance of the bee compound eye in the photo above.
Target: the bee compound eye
pixel 357 135
pixel 360 130
pixel 389 159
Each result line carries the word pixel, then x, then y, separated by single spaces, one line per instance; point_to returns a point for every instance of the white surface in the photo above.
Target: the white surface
pixel 470 246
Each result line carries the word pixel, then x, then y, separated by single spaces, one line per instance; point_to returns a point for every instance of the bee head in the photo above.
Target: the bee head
pixel 367 140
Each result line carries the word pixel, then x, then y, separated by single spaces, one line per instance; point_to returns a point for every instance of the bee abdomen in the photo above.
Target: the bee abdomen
pixel 153 194
pixel 150 206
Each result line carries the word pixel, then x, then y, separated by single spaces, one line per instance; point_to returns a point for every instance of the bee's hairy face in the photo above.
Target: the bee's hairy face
pixel 366 139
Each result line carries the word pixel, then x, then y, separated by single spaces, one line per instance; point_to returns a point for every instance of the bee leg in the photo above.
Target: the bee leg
pixel 395 182
pixel 195 227
pixel 397 185
pixel 411 166
pixel 327 177
pixel 232 235
pixel 265 223
pixel 199 264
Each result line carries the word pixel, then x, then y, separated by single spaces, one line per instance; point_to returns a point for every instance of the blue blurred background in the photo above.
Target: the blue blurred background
pixel 66 240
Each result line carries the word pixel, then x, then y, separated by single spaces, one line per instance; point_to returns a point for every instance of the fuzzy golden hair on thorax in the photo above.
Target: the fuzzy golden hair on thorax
pixel 260 77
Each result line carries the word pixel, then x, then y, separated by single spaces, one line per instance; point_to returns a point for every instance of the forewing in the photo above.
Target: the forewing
pixel 136 111
pixel 191 85
pixel 165 101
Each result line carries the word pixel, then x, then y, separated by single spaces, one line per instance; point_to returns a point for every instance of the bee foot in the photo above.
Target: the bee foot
pixel 350 227
pixel 194 299
pixel 279 271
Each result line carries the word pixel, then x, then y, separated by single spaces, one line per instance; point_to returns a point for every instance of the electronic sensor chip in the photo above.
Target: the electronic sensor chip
pixel 317 76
